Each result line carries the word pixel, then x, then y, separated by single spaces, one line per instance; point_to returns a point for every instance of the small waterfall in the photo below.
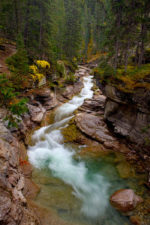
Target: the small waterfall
pixel 50 152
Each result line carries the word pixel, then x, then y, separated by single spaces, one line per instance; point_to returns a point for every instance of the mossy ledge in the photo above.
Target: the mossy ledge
pixel 71 133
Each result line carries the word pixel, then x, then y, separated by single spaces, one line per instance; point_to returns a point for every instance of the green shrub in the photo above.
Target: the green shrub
pixel 18 63
pixel 8 97
pixel 70 79
pixel 71 65
pixel 16 109
pixel 7 91
pixel 104 72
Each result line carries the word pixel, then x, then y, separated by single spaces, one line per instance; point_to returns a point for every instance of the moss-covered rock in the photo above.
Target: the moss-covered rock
pixel 71 133
pixel 61 69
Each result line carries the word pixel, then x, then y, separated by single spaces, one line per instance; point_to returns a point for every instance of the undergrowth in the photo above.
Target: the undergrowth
pixel 125 80
pixel 9 98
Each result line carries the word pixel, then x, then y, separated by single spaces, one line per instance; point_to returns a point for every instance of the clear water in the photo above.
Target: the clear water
pixel 78 190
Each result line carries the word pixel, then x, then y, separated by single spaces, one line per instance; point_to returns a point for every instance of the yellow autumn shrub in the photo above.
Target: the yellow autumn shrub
pixel 34 69
pixel 37 71
pixel 43 64
pixel 37 76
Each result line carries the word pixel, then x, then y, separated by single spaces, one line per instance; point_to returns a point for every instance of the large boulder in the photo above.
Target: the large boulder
pixel 72 90
pixel 37 112
pixel 96 128
pixel 95 105
pixel 46 97
pixel 125 200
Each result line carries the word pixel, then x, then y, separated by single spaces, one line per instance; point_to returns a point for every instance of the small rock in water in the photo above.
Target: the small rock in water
pixel 125 200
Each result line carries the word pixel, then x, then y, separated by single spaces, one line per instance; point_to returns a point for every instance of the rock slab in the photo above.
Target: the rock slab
pixel 96 128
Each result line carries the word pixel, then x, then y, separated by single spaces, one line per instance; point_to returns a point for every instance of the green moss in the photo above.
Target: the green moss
pixel 51 118
pixel 126 81
pixel 71 133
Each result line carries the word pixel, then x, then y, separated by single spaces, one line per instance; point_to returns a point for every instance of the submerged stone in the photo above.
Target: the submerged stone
pixel 125 200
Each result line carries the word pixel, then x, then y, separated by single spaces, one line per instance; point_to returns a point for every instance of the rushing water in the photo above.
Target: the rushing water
pixel 88 188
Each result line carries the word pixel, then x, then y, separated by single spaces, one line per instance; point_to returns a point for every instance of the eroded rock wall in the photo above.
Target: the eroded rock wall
pixel 14 208
pixel 129 114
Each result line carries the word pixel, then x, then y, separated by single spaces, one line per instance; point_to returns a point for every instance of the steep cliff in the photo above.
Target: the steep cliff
pixel 128 114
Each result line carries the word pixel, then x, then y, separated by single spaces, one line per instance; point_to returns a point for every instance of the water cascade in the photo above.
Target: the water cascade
pixel 50 152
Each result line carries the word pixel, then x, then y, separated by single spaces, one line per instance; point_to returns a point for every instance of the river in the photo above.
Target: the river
pixel 77 189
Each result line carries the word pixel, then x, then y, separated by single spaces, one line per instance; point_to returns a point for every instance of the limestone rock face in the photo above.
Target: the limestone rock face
pixel 125 200
pixel 13 204
pixel 5 205
pixel 129 113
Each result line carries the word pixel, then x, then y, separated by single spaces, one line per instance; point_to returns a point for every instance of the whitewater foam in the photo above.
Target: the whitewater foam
pixel 49 151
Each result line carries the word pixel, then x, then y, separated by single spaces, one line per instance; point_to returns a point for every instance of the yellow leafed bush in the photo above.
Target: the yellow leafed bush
pixel 34 69
pixel 37 76
pixel 43 64
pixel 38 71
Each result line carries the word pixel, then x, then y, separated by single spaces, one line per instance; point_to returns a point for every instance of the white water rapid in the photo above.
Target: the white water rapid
pixel 50 152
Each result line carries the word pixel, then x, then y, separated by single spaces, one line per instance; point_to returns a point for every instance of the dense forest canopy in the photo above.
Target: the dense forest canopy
pixel 58 29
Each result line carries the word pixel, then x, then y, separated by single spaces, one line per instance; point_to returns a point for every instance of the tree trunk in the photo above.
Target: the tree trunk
pixel 142 47
pixel 26 28
pixel 40 37
pixel 116 55
pixel 16 16
pixel 127 55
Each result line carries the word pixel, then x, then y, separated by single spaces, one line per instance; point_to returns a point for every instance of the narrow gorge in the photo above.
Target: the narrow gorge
pixel 74 112
pixel 72 159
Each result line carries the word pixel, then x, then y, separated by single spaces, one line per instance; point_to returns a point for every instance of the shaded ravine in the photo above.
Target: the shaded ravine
pixel 50 152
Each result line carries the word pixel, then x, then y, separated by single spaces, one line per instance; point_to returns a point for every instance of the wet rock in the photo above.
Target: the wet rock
pixel 95 105
pixel 96 128
pixel 125 200
pixel 72 90
pixel 37 112
pixel 82 71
